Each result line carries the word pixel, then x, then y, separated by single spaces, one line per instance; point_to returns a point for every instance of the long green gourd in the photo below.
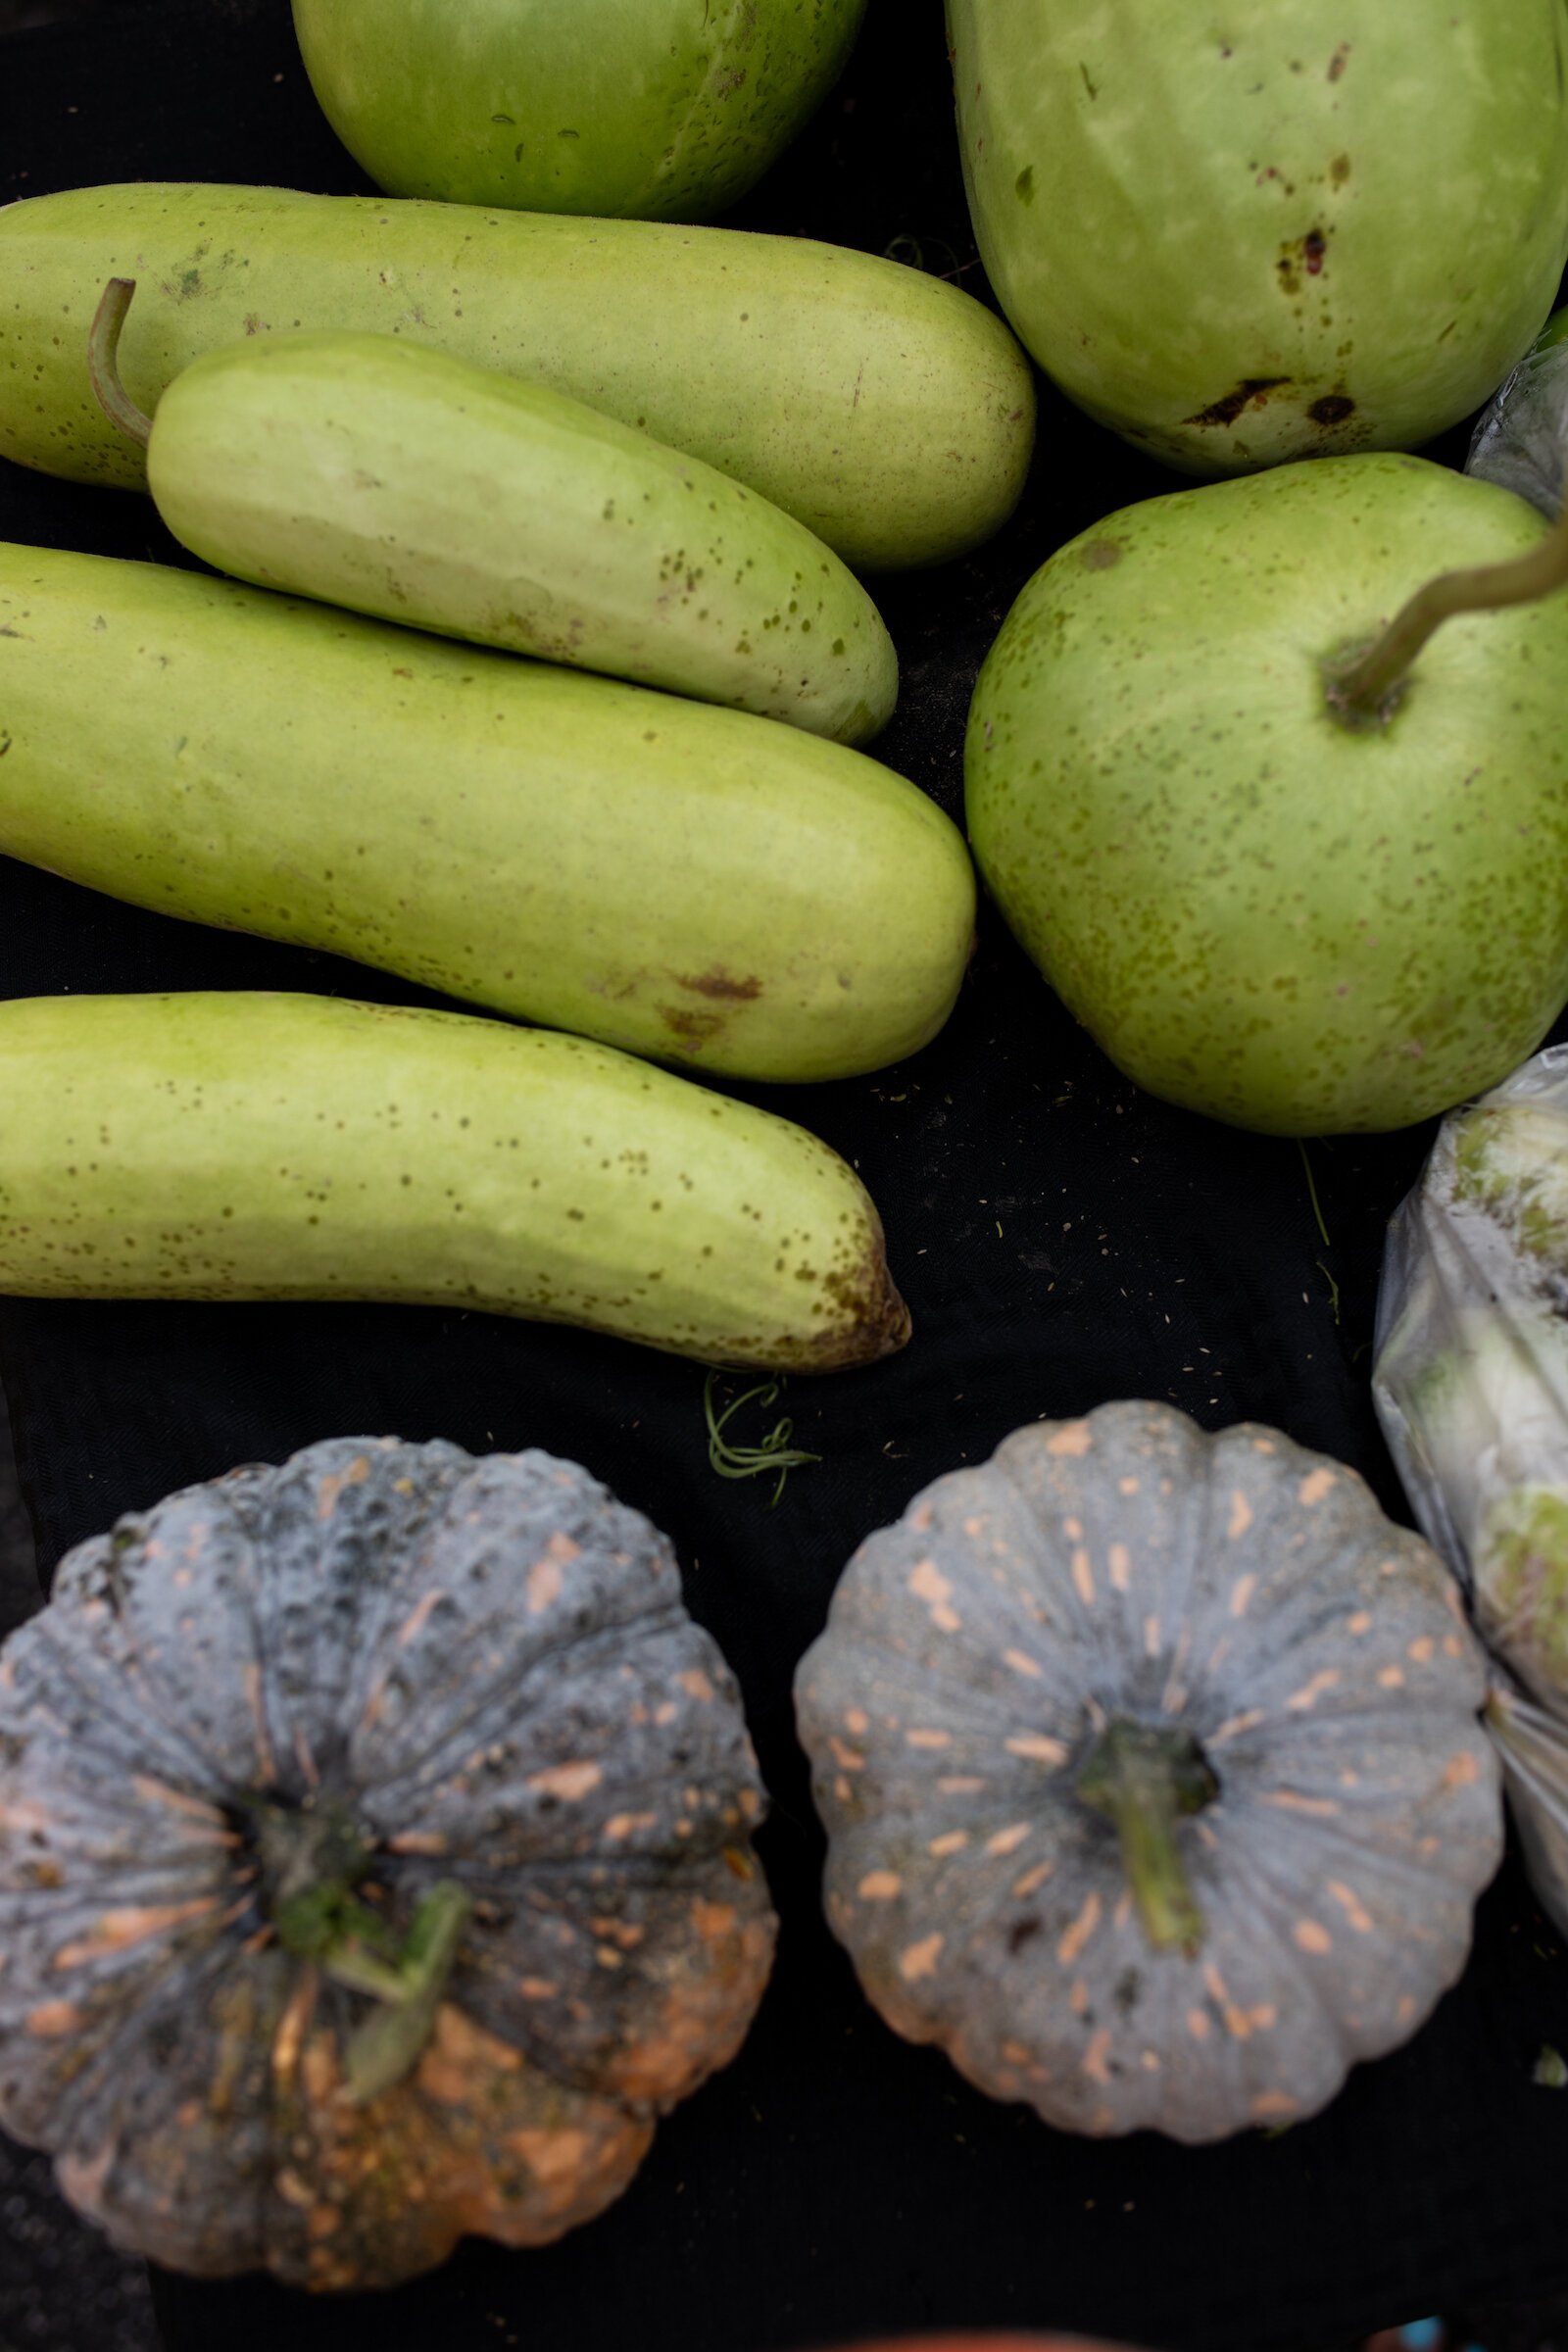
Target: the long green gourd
pixel 678 880
pixel 239 1146
pixel 888 412
pixel 401 482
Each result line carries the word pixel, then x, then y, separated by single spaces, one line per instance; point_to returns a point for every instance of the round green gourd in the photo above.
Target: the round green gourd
pixel 1152 1772
pixel 1271 230
pixel 662 110
pixel 407 484
pixel 374 1862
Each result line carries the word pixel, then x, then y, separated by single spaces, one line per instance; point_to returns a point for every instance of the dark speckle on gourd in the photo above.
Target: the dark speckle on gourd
pixel 376 1680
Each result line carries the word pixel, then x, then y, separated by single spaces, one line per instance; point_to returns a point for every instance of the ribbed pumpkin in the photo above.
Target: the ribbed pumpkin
pixel 1154 1783
pixel 374 1862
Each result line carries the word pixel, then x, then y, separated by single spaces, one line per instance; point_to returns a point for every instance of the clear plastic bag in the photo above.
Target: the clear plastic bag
pixel 1470 1381
pixel 1533 1744
pixel 1522 432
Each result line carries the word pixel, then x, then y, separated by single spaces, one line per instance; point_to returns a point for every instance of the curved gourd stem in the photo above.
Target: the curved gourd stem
pixel 103 361
pixel 1146 1778
pixel 1361 688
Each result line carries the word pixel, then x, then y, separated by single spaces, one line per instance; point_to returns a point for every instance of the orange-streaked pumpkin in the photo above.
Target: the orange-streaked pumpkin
pixel 374 1862
pixel 1152 1772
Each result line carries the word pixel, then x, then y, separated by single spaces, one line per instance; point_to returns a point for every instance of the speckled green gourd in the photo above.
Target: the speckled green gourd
pixel 402 482
pixel 1259 911
pixel 241 1146
pixel 890 413
pixel 664 110
pixel 675 879
pixel 1273 230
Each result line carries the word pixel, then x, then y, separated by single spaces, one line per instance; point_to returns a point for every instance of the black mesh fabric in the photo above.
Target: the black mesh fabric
pixel 1062 1240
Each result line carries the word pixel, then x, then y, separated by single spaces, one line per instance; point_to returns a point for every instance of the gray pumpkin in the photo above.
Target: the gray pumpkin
pixel 374 1862
pixel 1151 1768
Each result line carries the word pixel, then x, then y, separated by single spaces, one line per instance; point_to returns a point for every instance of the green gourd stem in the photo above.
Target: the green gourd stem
pixel 1145 1778
pixel 391 2040
pixel 1361 686
pixel 103 361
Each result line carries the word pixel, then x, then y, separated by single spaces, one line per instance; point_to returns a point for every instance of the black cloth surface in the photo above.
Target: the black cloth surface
pixel 1062 1240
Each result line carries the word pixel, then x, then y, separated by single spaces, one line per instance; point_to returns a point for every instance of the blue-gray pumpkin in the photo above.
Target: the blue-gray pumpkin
pixel 374 1862
pixel 1150 1760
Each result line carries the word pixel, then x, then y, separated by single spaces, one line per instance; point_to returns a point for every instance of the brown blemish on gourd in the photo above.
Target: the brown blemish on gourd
pixel 928 1584
pixel 1100 555
pixel 1094 2058
pixel 1334 407
pixel 1253 392
pixel 1038 1747
pixel 692 1027
pixel 293 2025
pixel 1077 1935
pixel 569 1781
pixel 1350 1904
pixel 1290 1800
pixel 117 1931
pixel 331 1490
pixel 51 2021
pixel 420 1616
pixel 1074 1438
pixel 719 984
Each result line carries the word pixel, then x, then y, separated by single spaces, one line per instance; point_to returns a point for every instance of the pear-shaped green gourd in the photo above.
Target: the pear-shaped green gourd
pixel 236 1146
pixel 1296 896
pixel 1271 229
pixel 891 414
pixel 662 110
pixel 407 484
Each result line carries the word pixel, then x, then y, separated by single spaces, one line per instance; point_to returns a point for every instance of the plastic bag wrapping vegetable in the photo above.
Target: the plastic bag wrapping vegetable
pixel 1533 1744
pixel 1470 1381
pixel 1522 432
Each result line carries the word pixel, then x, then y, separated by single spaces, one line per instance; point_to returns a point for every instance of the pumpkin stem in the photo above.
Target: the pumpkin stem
pixel 103 361
pixel 1146 1778
pixel 382 2050
pixel 312 1858
pixel 1364 683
